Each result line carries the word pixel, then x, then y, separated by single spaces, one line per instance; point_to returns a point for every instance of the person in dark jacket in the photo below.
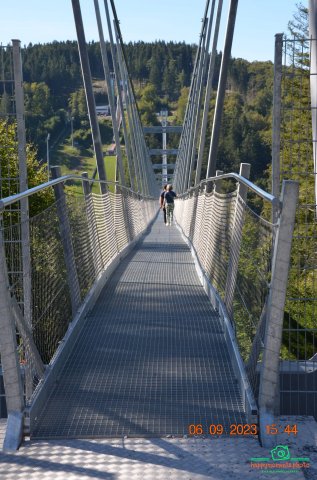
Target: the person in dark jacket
pixel 169 204
pixel 162 202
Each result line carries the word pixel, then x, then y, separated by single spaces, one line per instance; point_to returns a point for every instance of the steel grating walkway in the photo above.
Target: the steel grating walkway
pixel 151 358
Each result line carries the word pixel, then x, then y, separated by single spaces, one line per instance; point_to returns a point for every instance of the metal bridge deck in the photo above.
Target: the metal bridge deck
pixel 151 358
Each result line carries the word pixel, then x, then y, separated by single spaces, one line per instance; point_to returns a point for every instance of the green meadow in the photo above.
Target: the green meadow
pixel 75 160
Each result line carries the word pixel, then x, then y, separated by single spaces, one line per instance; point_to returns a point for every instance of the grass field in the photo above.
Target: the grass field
pixel 74 160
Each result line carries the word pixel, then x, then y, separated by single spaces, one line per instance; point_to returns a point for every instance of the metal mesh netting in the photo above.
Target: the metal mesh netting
pixel 9 171
pixel 220 209
pixel 212 222
pixel 12 243
pixel 252 287
pixel 300 323
pixel 299 348
pixel 50 291
pixel 121 220
pixel 9 165
pixel 7 100
pixel 100 227
pixel 205 220
pixel 105 226
pixel 83 241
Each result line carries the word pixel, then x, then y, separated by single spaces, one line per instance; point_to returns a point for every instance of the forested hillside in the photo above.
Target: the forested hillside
pixel 161 75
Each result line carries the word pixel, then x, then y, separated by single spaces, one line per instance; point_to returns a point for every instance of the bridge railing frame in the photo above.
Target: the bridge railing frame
pixel 273 311
pixel 269 377
pixel 11 315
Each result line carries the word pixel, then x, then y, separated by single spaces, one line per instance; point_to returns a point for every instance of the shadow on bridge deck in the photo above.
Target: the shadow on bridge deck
pixel 151 358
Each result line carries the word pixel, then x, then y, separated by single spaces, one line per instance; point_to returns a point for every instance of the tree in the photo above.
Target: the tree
pixel 78 104
pixel 298 26
pixel 181 78
pixel 239 74
pixel 155 75
pixel 9 167
pixel 149 98
pixel 148 105
pixel 5 105
pixel 181 104
pixel 37 99
pixel 299 31
pixel 170 79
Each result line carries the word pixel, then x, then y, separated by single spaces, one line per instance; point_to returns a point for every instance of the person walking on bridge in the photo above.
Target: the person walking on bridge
pixel 169 204
pixel 162 205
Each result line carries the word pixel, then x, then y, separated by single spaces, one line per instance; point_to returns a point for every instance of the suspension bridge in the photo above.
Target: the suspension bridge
pixel 152 345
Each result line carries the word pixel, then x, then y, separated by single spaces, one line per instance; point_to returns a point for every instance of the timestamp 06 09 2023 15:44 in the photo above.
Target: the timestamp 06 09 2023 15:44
pixel 239 429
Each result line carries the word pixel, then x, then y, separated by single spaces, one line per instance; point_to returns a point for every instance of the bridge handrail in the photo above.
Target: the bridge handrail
pixel 258 190
pixel 5 202
pixel 74 244
pixel 240 253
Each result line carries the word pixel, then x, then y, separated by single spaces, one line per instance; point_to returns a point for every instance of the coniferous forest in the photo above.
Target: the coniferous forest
pixel 161 75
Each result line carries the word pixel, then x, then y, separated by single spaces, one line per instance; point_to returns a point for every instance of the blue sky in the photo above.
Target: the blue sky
pixel 44 21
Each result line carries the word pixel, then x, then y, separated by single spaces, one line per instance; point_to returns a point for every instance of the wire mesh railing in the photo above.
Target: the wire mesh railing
pixel 13 170
pixel 297 156
pixel 100 227
pixel 252 286
pixel 51 307
pixel 225 230
pixel 9 169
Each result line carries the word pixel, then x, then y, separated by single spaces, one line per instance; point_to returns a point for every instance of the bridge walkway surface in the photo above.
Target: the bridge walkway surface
pixel 151 358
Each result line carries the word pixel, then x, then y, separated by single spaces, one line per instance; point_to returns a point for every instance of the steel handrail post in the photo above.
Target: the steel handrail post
pixel 269 397
pixel 276 121
pixel 66 238
pixel 238 222
pixel 9 358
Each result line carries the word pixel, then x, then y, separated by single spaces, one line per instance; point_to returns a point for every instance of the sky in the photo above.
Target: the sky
pixel 42 21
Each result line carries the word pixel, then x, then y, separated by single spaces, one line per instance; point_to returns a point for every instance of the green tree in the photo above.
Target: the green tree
pixel 37 99
pixel 298 25
pixel 170 79
pixel 299 31
pixel 149 99
pixel 5 104
pixel 181 79
pixel 78 104
pixel 9 167
pixel 155 75
pixel 148 105
pixel 181 104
